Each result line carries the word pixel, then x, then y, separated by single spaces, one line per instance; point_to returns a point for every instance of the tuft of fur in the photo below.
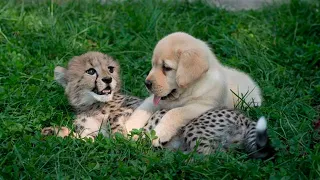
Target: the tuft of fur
pixel 261 124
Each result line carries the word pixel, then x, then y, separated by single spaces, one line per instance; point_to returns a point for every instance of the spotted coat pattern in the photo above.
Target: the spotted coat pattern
pixel 216 129
pixel 106 118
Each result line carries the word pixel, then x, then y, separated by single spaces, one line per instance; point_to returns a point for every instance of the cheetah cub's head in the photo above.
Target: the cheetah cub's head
pixel 89 78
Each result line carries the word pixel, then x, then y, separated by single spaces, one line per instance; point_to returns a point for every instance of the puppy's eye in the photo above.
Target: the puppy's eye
pixel 166 68
pixel 91 71
pixel 111 69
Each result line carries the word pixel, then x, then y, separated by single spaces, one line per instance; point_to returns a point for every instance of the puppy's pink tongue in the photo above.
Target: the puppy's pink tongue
pixel 156 100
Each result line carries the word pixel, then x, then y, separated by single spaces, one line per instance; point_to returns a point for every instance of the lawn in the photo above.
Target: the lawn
pixel 279 47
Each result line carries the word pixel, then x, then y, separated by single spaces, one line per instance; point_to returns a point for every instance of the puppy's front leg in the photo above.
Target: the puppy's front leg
pixel 175 119
pixel 140 116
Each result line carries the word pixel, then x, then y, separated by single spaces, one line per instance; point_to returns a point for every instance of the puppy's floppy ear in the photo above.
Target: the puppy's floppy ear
pixel 60 75
pixel 192 64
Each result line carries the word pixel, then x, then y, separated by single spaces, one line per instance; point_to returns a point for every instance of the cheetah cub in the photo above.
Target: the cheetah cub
pixel 92 85
pixel 222 129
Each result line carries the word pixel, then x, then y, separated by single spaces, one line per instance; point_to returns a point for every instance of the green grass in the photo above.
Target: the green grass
pixel 279 47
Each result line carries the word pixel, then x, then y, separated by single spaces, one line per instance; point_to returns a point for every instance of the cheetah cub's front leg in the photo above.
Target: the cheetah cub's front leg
pixel 88 127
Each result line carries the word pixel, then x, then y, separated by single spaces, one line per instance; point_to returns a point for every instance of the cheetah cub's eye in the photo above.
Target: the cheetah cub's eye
pixel 91 71
pixel 111 69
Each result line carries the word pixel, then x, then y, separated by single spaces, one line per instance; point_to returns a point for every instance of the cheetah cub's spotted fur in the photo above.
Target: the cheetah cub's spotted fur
pixel 222 129
pixel 92 85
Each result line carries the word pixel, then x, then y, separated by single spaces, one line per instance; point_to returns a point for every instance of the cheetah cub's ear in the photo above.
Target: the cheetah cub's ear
pixel 59 75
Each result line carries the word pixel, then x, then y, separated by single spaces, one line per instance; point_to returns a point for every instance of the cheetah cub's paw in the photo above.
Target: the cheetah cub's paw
pixel 61 132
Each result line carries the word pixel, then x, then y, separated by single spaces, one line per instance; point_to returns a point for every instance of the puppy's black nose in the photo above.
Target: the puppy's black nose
pixel 148 84
pixel 107 80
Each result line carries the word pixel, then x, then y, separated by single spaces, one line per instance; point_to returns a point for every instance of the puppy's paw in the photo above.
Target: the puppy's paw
pixel 158 143
pixel 58 131
pixel 163 137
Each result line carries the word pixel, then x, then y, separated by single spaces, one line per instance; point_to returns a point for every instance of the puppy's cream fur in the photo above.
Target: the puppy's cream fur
pixel 190 80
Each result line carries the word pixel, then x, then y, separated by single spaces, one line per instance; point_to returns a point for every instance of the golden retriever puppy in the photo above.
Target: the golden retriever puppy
pixel 187 79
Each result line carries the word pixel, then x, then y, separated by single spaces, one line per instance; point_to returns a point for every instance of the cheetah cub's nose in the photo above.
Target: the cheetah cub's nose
pixel 107 80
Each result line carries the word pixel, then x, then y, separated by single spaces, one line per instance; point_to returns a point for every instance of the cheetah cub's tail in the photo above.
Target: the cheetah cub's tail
pixel 257 141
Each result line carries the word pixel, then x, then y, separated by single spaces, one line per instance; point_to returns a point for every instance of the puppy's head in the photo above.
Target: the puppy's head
pixel 89 78
pixel 178 61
